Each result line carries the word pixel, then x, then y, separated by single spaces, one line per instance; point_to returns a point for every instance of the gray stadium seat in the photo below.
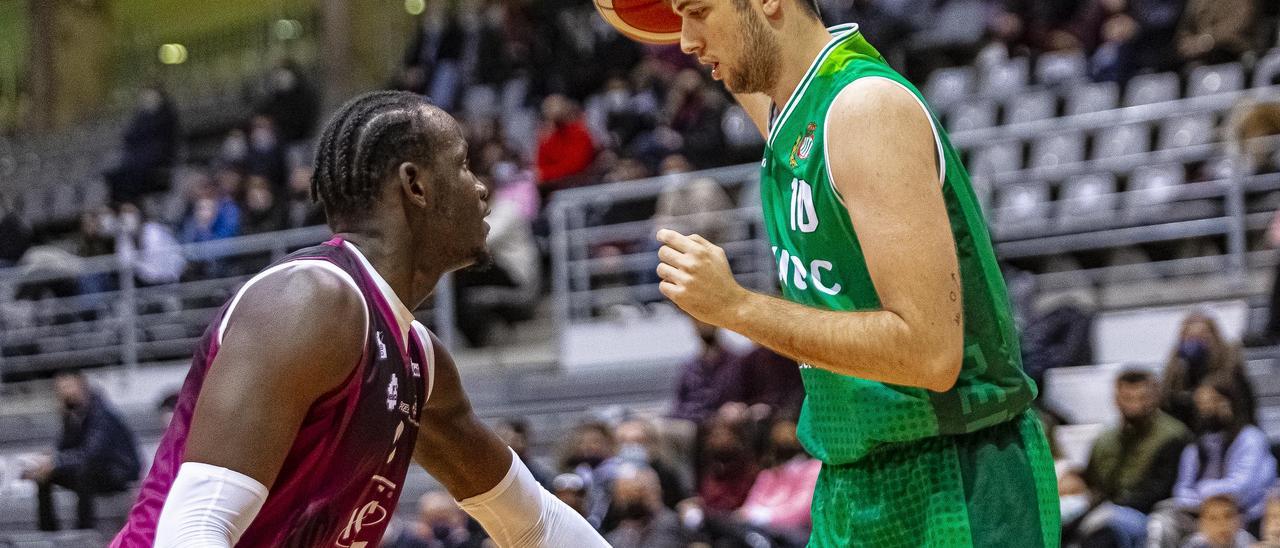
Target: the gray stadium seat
pixel 1122 141
pixel 948 85
pixel 1151 88
pixel 1267 71
pixel 1021 207
pixel 1085 200
pixel 1152 185
pixel 997 158
pixel 1192 129
pixel 1093 98
pixel 1060 67
pixel 1208 80
pixel 1055 150
pixel 972 115
pixel 1006 78
pixel 1028 107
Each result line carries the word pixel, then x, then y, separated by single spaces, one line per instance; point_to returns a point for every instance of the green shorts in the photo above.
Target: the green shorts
pixel 993 487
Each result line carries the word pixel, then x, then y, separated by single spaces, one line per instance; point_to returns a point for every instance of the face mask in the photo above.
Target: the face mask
pixel 234 148
pixel 634 510
pixel 107 224
pixel 441 532
pixel 1073 506
pixel 129 223
pixel 1196 352
pixel 616 99
pixel 633 452
pixel 285 80
pixel 1211 423
pixel 263 139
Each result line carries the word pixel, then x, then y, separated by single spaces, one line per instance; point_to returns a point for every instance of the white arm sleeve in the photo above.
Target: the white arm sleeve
pixel 519 513
pixel 208 506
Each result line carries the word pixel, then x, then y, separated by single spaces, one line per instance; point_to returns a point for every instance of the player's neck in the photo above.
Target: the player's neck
pixel 394 260
pixel 799 49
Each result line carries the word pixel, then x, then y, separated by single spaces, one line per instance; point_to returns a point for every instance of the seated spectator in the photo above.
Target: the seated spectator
pixel 17 239
pixel 148 151
pixel 96 454
pixel 266 153
pixel 440 524
pixel 708 380
pixel 515 432
pixel 1201 352
pixel 779 500
pixel 727 466
pixel 151 247
pixel 261 211
pixel 1217 31
pixel 1220 526
pixel 1133 466
pixel 643 520
pixel 590 445
pixel 1059 336
pixel 1123 37
pixel 565 147
pixel 638 444
pixel 97 236
pixel 212 217
pixel 1229 457
pixel 571 490
pixel 290 103
pixel 772 380
pixel 300 209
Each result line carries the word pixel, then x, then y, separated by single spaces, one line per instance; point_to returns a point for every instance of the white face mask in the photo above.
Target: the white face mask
pixel 107 224
pixel 129 223
pixel 263 139
pixel 1073 506
pixel 234 148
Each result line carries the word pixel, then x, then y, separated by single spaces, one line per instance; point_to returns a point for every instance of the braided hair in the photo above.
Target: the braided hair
pixel 366 138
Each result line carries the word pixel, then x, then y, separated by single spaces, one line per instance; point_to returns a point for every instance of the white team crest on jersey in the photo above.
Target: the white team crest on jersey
pixel 416 369
pixel 393 393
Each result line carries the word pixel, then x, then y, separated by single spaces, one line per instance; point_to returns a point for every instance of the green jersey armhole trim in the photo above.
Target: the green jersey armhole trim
pixel 839 34
pixel 826 137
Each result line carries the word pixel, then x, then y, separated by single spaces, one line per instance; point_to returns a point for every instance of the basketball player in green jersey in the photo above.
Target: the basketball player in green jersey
pixel 916 402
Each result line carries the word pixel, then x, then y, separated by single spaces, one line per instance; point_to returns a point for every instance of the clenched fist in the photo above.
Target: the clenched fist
pixel 696 276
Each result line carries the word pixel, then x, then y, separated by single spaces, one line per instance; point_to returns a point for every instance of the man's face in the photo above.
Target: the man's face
pixel 70 390
pixel 1136 401
pixel 456 219
pixel 1219 522
pixel 735 39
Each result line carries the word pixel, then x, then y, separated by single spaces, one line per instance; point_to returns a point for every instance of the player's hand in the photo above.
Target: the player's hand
pixel 696 277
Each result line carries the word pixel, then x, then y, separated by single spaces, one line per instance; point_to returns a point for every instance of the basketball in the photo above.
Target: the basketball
pixel 648 21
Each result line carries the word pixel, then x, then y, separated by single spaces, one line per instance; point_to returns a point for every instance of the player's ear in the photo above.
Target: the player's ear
pixel 773 8
pixel 413 183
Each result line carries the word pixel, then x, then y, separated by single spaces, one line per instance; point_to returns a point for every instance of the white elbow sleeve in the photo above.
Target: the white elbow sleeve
pixel 208 506
pixel 519 513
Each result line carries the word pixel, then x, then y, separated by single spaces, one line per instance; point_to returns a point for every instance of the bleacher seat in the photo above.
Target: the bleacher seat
pixel 1029 107
pixel 972 115
pixel 1122 141
pixel 1208 80
pixel 1060 67
pixel 1152 186
pixel 1085 200
pixel 1055 150
pixel 1021 207
pixel 997 158
pixel 947 86
pixel 1007 78
pixel 1189 130
pixel 1093 98
pixel 1267 71
pixel 1151 88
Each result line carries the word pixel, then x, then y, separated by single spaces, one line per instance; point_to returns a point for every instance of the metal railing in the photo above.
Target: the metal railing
pixel 128 324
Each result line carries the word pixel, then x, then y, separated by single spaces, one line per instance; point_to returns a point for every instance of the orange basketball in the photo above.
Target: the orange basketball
pixel 649 21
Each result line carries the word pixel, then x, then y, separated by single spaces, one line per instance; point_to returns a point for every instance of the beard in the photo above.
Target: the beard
pixel 481 260
pixel 758 72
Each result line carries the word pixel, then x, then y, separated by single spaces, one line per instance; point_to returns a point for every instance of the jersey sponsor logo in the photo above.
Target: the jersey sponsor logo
pixel 382 347
pixel 804 145
pixel 804 216
pixel 415 369
pixel 393 392
pixel 800 274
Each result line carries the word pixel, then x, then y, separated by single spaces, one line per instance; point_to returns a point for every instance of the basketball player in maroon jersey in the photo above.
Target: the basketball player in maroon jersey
pixel 314 387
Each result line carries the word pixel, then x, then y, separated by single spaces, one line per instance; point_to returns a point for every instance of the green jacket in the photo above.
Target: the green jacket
pixel 1137 468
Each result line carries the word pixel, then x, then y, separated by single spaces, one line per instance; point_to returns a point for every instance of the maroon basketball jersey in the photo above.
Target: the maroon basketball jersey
pixel 342 477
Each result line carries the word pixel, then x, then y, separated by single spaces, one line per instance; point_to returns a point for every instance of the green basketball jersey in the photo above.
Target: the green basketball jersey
pixel 820 264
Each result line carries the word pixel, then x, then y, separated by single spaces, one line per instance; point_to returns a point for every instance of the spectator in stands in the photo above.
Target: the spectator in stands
pixel 771 380
pixel 266 154
pixel 727 468
pixel 1220 525
pixel 212 217
pixel 1133 466
pixel 571 490
pixel 591 445
pixel 1229 457
pixel 97 237
pixel 565 147
pixel 1217 31
pixel 17 235
pixel 708 380
pixel 440 524
pixel 1201 351
pixel 1126 36
pixel 1247 128
pixel 638 444
pixel 643 520
pixel 780 497
pixel 300 209
pixel 434 55
pixel 1060 335
pixel 149 149
pixel 515 432
pixel 693 111
pixel 261 211
pixel 290 103
pixel 150 247
pixel 96 454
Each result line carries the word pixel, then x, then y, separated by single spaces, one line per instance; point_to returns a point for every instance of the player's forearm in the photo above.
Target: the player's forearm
pixel 878 345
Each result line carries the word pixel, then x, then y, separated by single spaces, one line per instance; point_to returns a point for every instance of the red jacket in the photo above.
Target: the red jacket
pixel 564 151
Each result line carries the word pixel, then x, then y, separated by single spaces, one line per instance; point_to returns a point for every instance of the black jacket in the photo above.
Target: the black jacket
pixel 96 442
